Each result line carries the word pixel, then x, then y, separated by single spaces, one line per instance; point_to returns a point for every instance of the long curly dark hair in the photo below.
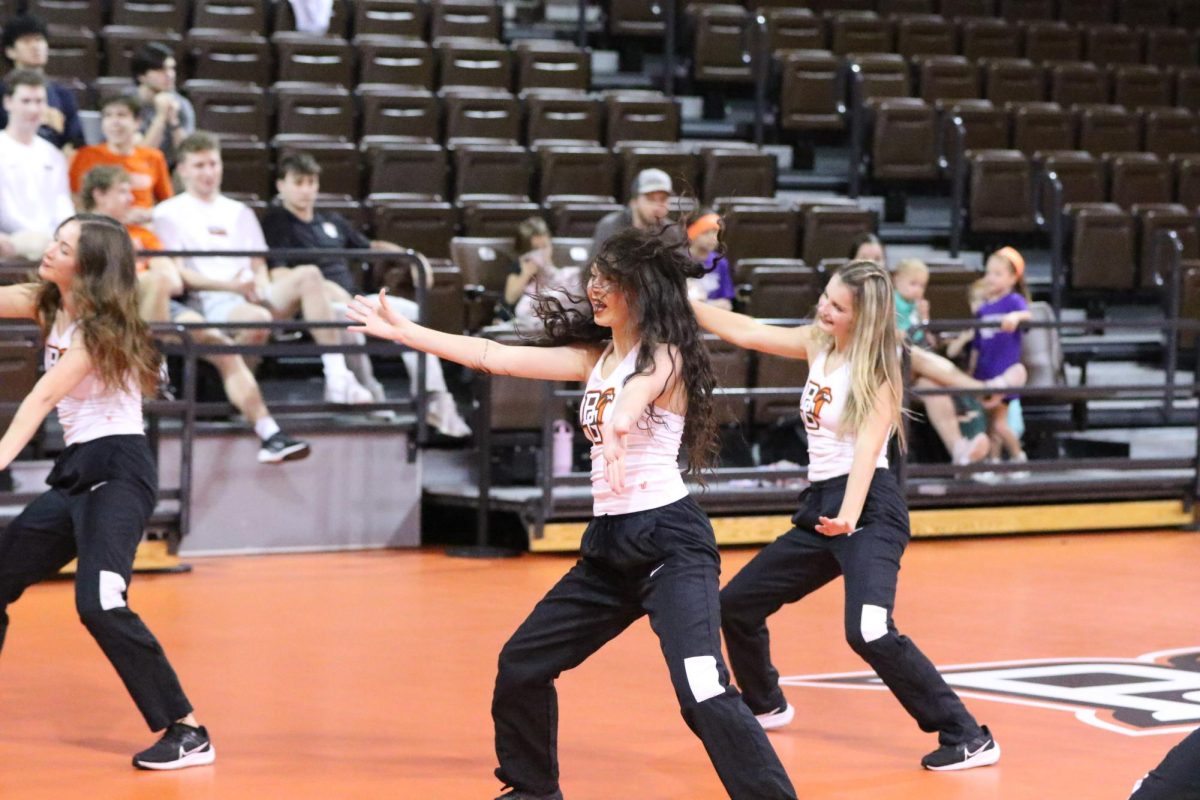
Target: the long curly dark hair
pixel 651 268
pixel 105 291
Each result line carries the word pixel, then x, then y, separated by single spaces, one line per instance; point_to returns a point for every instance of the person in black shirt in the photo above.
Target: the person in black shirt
pixel 25 45
pixel 293 221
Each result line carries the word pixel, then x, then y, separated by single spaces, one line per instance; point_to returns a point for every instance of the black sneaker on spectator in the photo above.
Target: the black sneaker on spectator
pixel 978 752
pixel 181 746
pixel 281 447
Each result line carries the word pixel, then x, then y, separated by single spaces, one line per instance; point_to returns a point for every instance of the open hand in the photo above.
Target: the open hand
pixel 377 320
pixel 834 527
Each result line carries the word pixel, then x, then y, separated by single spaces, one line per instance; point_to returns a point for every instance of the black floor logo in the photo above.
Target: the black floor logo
pixel 1151 694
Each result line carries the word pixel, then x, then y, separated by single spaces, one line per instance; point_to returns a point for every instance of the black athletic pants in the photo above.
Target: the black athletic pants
pixel 102 492
pixel 1177 777
pixel 802 561
pixel 664 563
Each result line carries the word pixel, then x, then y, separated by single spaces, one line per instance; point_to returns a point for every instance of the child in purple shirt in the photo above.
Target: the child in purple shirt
pixel 998 351
pixel 716 285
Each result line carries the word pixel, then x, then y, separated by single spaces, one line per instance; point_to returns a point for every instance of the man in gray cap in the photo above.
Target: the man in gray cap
pixel 650 195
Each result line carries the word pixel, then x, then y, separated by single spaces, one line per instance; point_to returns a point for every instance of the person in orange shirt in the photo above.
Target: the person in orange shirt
pixel 150 180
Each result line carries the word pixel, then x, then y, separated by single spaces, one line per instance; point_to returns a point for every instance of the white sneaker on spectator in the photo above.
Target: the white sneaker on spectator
pixel 968 451
pixel 988 477
pixel 378 396
pixel 1019 475
pixel 442 414
pixel 346 389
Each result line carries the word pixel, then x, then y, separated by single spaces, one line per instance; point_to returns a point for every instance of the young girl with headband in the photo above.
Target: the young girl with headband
pixel 997 352
pixel 715 286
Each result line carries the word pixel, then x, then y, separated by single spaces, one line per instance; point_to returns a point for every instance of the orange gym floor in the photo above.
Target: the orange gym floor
pixel 368 675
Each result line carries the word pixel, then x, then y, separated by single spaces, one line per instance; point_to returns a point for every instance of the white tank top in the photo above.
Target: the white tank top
pixel 830 453
pixel 91 410
pixel 652 477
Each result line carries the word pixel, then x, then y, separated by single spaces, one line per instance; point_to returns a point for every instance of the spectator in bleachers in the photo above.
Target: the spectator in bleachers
pixel 650 198
pixel 34 197
pixel 294 221
pixel 165 116
pixel 533 273
pixel 868 247
pixel 716 286
pixel 239 288
pixel 910 279
pixel 26 46
pixel 108 190
pixel 147 169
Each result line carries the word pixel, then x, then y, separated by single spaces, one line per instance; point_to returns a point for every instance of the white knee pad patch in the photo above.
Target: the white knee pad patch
pixel 873 624
pixel 702 677
pixel 112 590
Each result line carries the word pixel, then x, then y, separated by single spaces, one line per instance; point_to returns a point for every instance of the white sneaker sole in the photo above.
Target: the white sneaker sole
pixel 984 759
pixel 778 719
pixel 194 760
pixel 293 453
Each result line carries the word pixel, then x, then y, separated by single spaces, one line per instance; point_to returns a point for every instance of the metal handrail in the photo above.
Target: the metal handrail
pixel 1050 181
pixel 958 184
pixel 762 63
pixel 1171 299
pixel 857 131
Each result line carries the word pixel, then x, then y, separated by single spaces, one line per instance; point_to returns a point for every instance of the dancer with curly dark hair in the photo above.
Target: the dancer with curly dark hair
pixel 649 549
pixel 100 361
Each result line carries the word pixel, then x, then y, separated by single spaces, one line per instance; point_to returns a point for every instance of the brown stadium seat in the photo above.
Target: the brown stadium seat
pixel 492 169
pixel 681 164
pixel 513 409
pixel 754 231
pixel 236 110
pixel 738 172
pixel 1052 41
pixel 635 18
pixel 315 110
pixel 1187 88
pixel 722 43
pixel 1141 85
pixel 1108 129
pixel 1041 126
pixel 813 93
pixel 543 64
pixel 959 9
pixel 341 163
pixel 248 167
pixel 883 75
pixel 424 225
pixel 989 38
pixel 743 267
pixel 74 52
pixel 18 373
pixel 1145 13
pixel 777 372
pixel 904 145
pixel 473 62
pixel 558 115
pixel 788 292
pixel 584 169
pixel 486 217
pixel 1189 306
pixel 1085 12
pixel 1166 131
pixel 1187 179
pixel 641 118
pixel 1102 251
pixel 1109 45
pixel 394 60
pixel 481 114
pixel 1001 192
pixel 236 15
pixel 887 7
pixel 315 59
pixel 120 42
pixel 389 110
pixel 87 14
pixel 484 261
pixel 1026 10
pixel 1078 83
pixel 570 251
pixel 947 291
pixel 447 312
pixel 166 15
pixel 1152 222
pixel 794 29
pixel 732 370
pixel 925 35
pixel 391 18
pixel 479 20
pixel 985 127
pixel 859 32
pixel 285 20
pixel 405 168
pixel 1170 47
pixel 1138 179
pixel 1013 80
pixel 1082 176
pixel 109 86
pixel 947 78
pixel 229 56
pixel 829 231
pixel 576 216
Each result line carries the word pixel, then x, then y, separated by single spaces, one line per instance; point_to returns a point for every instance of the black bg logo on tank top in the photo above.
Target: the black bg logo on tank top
pixel 1153 693
pixel 591 413
pixel 815 398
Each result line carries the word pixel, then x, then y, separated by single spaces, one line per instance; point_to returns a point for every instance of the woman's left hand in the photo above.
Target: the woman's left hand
pixel 614 458
pixel 834 527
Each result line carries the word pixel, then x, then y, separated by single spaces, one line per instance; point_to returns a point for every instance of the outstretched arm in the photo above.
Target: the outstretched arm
pixel 750 334
pixel 58 381
pixel 862 468
pixel 636 395
pixel 19 300
pixel 571 363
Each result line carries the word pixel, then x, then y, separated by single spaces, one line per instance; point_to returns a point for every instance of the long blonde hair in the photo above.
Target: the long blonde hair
pixel 874 355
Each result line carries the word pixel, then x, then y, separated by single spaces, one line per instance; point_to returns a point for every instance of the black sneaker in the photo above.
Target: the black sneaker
pixel 181 746
pixel 281 447
pixel 517 794
pixel 978 752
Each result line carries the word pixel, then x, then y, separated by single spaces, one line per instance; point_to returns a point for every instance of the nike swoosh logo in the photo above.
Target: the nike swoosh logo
pixel 184 753
pixel 972 753
pixel 656 569
pixel 97 486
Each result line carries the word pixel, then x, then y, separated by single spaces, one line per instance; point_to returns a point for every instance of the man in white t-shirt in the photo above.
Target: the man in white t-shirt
pixel 239 289
pixel 34 195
